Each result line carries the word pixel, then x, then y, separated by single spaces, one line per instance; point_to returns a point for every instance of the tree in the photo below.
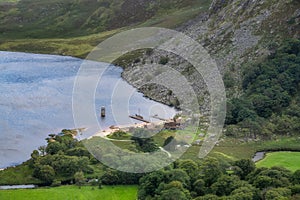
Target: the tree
pixel 278 194
pixel 45 173
pixel 269 86
pixel 110 177
pixel 208 197
pixel 149 183
pixel 78 151
pixel 163 60
pixel 173 191
pixel 280 176
pixel 189 166
pixel 79 178
pixel 178 175
pixel 246 165
pixel 42 149
pixel 35 154
pixel 225 185
pixel 67 139
pixel 170 144
pixel 262 182
pixel 210 171
pixel 296 177
pixel 243 193
pixel 68 165
pixel 128 178
pixel 262 105
pixel 34 157
pixel 199 187
pixel 173 194
pixel 54 147
pixel 274 177
pixel 143 141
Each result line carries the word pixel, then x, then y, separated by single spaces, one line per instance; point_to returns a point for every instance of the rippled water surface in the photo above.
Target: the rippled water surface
pixel 36 100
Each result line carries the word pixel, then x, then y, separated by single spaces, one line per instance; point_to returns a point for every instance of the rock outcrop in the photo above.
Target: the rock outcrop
pixel 234 32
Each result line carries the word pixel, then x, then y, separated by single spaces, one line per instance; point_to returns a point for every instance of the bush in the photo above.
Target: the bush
pixel 163 60
pixel 278 193
pixel 295 189
pixel 56 183
pixel 94 182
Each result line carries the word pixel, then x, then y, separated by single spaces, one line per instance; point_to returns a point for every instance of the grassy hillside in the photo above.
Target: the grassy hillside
pixel 75 27
pixel 18 176
pixel 66 18
pixel 73 46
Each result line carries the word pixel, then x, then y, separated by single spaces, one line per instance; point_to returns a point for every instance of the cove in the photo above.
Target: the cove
pixel 36 100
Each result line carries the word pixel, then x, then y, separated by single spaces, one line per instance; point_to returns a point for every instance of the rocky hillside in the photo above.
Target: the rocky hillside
pixel 240 31
pixel 234 32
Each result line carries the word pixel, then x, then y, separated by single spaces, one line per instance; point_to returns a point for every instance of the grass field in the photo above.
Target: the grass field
pixel 237 149
pixel 76 46
pixel 289 160
pixel 19 175
pixel 72 193
pixel 230 149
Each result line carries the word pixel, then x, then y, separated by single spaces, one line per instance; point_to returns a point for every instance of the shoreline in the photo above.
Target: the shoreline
pixel 104 132
pixel 125 128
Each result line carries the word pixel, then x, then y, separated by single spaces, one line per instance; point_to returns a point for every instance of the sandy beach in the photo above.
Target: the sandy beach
pixel 126 128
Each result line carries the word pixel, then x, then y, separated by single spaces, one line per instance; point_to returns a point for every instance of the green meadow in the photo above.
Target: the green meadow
pixel 289 160
pixel 72 193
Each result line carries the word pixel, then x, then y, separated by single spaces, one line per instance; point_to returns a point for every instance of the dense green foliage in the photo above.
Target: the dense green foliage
pixel 210 180
pixel 143 141
pixel 61 161
pixel 65 160
pixel 270 102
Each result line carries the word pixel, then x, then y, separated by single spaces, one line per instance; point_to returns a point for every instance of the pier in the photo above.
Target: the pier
pixel 138 117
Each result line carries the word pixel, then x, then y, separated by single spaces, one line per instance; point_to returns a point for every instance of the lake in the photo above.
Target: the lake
pixel 36 100
pixel 12 187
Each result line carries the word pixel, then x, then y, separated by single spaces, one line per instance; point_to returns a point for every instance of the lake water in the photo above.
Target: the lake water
pixel 11 187
pixel 36 100
pixel 258 156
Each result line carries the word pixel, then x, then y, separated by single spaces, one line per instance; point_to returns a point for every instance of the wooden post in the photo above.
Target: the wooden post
pixel 102 111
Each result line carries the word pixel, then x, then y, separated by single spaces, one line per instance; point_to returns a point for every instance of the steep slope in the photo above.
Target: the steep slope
pixel 236 33
pixel 240 31
pixel 65 18
pixel 75 27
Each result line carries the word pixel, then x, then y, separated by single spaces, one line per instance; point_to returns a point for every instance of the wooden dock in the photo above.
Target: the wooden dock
pixel 157 117
pixel 138 117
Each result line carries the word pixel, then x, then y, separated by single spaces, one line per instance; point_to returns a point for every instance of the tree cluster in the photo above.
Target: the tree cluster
pixel 208 180
pixel 270 93
pixel 61 159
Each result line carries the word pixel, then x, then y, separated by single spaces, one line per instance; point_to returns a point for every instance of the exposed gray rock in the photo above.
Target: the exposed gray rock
pixel 233 32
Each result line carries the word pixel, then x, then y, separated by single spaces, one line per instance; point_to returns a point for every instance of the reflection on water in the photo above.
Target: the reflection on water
pixel 36 100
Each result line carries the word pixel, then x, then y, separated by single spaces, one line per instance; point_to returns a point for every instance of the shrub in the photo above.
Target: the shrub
pixel 163 60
